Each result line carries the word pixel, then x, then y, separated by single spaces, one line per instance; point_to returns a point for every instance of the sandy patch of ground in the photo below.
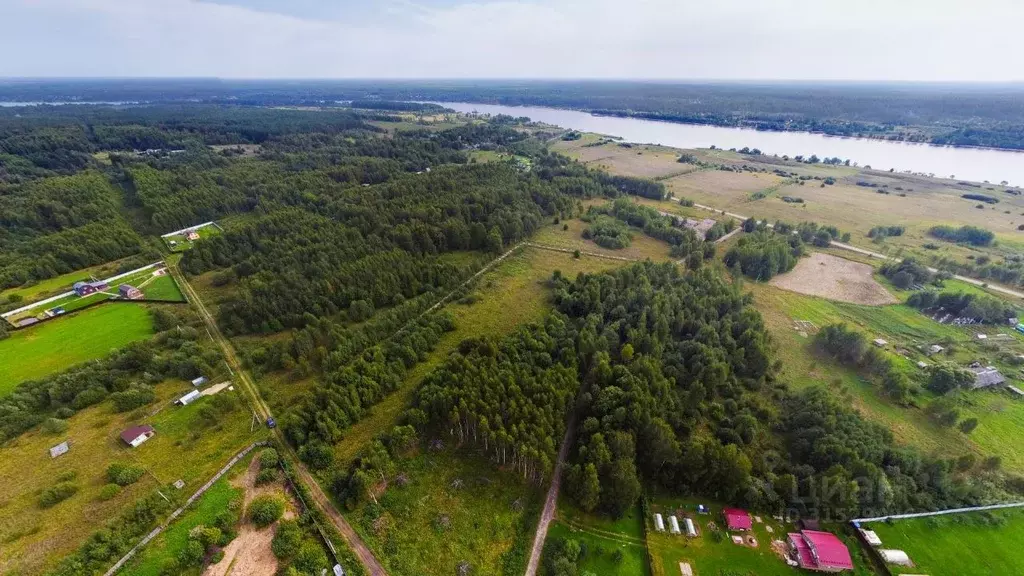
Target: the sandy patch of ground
pixel 249 554
pixel 836 279
pixel 215 389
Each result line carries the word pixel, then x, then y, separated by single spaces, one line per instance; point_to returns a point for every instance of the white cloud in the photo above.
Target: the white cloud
pixel 768 39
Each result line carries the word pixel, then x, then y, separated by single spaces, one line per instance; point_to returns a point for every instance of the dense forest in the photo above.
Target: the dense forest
pixel 941 114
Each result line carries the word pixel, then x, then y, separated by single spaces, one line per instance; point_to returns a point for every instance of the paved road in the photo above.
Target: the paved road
pixel 550 502
pixel 869 253
pixel 366 557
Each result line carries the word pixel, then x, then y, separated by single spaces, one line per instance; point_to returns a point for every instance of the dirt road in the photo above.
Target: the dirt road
pixel 869 253
pixel 550 502
pixel 366 557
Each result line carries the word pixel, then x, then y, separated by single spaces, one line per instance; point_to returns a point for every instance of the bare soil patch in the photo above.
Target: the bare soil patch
pixel 249 554
pixel 836 279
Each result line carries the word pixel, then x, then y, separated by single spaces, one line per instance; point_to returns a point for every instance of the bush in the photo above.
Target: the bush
pixel 268 458
pixel 311 558
pixel 132 398
pixel 287 539
pixel 56 494
pixel 109 491
pixel 265 510
pixel 267 476
pixel 969 234
pixel 124 474
pixel 55 426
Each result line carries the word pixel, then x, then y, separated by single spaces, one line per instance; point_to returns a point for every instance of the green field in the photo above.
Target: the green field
pixel 434 523
pixel 970 544
pixel 162 288
pixel 32 539
pixel 170 543
pixel 58 284
pixel 57 345
pixel 602 537
pixel 181 243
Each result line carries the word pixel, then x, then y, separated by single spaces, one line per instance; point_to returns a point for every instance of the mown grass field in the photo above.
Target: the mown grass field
pixel 603 538
pixel 971 544
pixel 515 292
pixel 711 553
pixel 59 344
pixel 457 507
pixel 162 288
pixel 32 539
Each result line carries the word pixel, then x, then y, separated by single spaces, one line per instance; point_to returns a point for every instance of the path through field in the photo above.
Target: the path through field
pixel 841 246
pixel 366 557
pixel 551 502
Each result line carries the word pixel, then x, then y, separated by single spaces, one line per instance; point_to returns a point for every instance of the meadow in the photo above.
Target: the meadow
pixel 57 284
pixel 456 507
pixel 59 344
pixel 612 546
pixel 568 234
pixel 969 544
pixel 184 448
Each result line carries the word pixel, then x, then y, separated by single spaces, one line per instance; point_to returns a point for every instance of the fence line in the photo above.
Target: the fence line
pixel 857 521
pixel 156 531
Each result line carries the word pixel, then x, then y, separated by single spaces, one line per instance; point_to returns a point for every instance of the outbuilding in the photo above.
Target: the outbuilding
pixel 871 537
pixel 673 524
pixel 137 435
pixel 880 343
pixel 659 523
pixel 188 398
pixel 60 449
pixel 819 551
pixel 199 381
pixel 130 292
pixel 691 530
pixel 737 519
pixel 897 557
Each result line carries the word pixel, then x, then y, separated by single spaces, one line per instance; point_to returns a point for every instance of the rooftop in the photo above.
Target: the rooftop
pixel 737 519
pixel 135 431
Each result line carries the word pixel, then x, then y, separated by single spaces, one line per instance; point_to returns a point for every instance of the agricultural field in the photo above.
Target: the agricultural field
pixel 641 161
pixel 57 345
pixel 714 552
pixel 455 508
pixel 186 447
pixel 835 279
pixel 968 544
pixel 612 546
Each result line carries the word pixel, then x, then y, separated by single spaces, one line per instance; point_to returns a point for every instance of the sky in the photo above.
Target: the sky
pixel 887 40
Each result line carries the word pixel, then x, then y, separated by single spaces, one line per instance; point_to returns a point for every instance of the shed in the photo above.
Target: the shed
pixel 27 321
pixel 935 349
pixel 83 288
pixel 922 364
pixel 1016 390
pixel 659 523
pixel 188 398
pixel 737 519
pixel 199 381
pixel 338 570
pixel 879 342
pixel 987 376
pixel 192 236
pixel 137 435
pixel 871 538
pixel 898 557
pixel 60 449
pixel 673 524
pixel 691 530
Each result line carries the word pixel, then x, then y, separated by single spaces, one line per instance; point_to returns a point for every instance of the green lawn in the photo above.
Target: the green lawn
pixel 163 288
pixel 169 544
pixel 432 524
pixel 59 344
pixel 979 543
pixel 182 243
pixel 602 537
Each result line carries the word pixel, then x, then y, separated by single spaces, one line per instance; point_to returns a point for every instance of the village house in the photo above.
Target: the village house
pixel 737 519
pixel 130 292
pixel 985 377
pixel 192 236
pixel 819 551
pixel 137 435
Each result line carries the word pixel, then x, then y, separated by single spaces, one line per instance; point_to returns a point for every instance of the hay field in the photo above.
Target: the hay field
pixel 836 279
pixel 721 189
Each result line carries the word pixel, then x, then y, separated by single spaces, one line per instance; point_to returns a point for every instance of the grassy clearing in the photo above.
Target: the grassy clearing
pixel 181 243
pixel 60 344
pixel 434 523
pixel 602 537
pixel 56 285
pixel 515 292
pixel 33 539
pixel 639 160
pixel 711 553
pixel 978 543
pixel 640 248
pixel 163 288
pixel 171 542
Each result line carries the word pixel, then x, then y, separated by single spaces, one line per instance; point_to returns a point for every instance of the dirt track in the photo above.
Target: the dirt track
pixel 836 279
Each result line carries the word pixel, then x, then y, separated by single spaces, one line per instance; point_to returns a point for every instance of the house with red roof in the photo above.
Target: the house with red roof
pixel 819 551
pixel 137 435
pixel 737 519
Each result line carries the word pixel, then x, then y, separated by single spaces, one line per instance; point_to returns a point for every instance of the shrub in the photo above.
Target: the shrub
pixel 124 474
pixel 132 398
pixel 969 234
pixel 268 458
pixel 109 491
pixel 267 476
pixel 287 539
pixel 55 426
pixel 265 510
pixel 311 558
pixel 56 494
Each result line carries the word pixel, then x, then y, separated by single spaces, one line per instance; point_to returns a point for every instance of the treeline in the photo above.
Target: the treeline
pixel 969 234
pixel 763 254
pixel 607 232
pixel 851 348
pixel 126 377
pixel 684 242
pixel 984 308
pixel 906 273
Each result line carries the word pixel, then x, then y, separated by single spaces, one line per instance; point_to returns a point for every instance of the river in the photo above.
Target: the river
pixel 977 164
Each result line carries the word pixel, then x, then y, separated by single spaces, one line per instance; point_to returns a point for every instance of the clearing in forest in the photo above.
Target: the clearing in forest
pixel 836 279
